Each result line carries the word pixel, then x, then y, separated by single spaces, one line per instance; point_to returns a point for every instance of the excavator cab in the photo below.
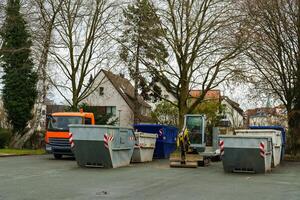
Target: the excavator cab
pixel 195 125
pixel 190 142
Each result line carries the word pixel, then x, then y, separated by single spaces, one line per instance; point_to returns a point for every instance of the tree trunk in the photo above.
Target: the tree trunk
pixel 136 82
pixel 74 106
pixel 294 114
pixel 183 97
pixel 297 84
pixel 294 131
pixel 75 103
pixel 18 141
pixel 182 112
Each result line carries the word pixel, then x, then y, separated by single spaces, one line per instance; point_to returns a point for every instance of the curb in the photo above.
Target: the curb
pixel 13 155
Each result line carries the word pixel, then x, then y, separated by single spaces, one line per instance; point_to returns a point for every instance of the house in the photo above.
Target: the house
pixel 266 116
pixel 116 94
pixel 232 112
pixel 211 95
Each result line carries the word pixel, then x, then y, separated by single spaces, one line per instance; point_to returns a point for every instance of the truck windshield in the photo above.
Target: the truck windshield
pixel 61 123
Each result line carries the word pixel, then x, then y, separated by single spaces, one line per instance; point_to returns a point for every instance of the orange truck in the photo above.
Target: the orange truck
pixel 57 135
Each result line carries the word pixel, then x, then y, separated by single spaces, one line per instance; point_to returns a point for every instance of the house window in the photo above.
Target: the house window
pixel 101 91
pixel 111 110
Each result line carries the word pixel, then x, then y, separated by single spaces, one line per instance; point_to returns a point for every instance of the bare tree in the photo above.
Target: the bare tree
pixel 204 38
pixel 82 47
pixel 275 52
pixel 275 47
pixel 43 18
pixel 48 11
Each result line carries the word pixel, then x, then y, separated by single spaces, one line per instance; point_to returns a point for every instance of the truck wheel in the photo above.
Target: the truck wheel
pixel 57 156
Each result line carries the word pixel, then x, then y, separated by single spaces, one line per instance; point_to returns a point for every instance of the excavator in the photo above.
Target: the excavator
pixel 190 143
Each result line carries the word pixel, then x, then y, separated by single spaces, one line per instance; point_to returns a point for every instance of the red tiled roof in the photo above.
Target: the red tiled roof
pixel 210 95
pixel 256 111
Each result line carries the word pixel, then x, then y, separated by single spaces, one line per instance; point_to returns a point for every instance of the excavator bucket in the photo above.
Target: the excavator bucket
pixel 190 161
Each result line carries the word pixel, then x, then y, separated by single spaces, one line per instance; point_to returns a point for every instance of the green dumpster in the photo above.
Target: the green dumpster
pixel 103 146
pixel 240 153
pixel 276 141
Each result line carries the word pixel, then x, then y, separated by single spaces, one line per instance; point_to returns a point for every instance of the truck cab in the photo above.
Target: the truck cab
pixel 57 135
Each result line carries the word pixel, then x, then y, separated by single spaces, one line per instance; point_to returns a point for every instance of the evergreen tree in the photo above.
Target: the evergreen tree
pixel 142 46
pixel 19 79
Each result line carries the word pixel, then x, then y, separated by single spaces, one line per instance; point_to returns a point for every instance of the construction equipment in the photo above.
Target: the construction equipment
pixel 190 142
pixel 57 135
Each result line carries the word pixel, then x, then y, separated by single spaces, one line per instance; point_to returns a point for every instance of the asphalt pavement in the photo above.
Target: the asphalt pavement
pixel 43 178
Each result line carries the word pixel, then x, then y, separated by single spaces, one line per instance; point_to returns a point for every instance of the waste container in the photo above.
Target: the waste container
pixel 240 153
pixel 283 135
pixel 144 147
pixel 104 146
pixel 166 140
pixel 276 141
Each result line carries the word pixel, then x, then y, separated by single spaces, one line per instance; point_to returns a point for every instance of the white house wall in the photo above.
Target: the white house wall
pixel 232 115
pixel 267 120
pixel 165 94
pixel 111 97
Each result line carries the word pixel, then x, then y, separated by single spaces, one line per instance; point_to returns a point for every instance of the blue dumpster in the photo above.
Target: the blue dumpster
pixel 279 128
pixel 166 140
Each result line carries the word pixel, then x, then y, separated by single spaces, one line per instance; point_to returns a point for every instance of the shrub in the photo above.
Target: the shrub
pixel 5 135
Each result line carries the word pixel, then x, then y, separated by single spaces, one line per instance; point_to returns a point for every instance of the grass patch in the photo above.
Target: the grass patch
pixel 22 152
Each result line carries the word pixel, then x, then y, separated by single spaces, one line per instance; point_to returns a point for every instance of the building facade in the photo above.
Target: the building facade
pixel 116 94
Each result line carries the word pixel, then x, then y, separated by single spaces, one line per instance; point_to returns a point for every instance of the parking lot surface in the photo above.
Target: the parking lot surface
pixel 43 178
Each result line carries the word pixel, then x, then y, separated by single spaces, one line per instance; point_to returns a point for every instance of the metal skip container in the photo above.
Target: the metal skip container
pixel 252 154
pixel 166 139
pixel 144 147
pixel 103 146
pixel 283 135
pixel 276 141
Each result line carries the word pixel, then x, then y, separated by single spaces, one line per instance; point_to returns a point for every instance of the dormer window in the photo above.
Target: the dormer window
pixel 101 91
